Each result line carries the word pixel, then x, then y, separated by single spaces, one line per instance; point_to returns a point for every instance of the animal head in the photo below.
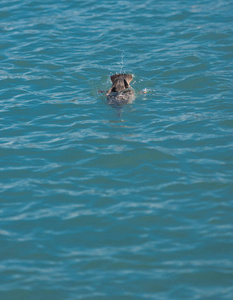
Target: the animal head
pixel 120 82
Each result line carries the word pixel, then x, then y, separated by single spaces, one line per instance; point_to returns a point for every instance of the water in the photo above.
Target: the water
pixel 106 203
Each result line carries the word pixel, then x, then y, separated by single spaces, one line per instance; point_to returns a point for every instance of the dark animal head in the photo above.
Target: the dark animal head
pixel 120 82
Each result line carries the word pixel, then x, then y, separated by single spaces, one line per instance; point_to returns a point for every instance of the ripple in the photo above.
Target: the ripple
pixel 127 203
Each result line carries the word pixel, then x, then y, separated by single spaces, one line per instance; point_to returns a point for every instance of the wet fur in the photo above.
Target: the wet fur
pixel 121 92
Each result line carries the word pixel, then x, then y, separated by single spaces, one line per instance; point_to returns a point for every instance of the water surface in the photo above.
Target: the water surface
pixel 105 203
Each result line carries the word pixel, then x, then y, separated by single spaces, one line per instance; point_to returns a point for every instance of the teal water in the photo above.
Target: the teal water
pixel 116 203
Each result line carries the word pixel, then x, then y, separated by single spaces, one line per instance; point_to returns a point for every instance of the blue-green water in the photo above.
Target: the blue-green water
pixel 106 203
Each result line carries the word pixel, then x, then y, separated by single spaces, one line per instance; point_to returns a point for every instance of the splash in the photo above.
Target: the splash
pixel 121 62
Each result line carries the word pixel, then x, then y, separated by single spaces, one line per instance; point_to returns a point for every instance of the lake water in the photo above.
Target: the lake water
pixel 134 202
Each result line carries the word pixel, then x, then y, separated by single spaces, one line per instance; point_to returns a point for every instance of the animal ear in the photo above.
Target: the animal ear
pixel 128 78
pixel 126 84
pixel 114 77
